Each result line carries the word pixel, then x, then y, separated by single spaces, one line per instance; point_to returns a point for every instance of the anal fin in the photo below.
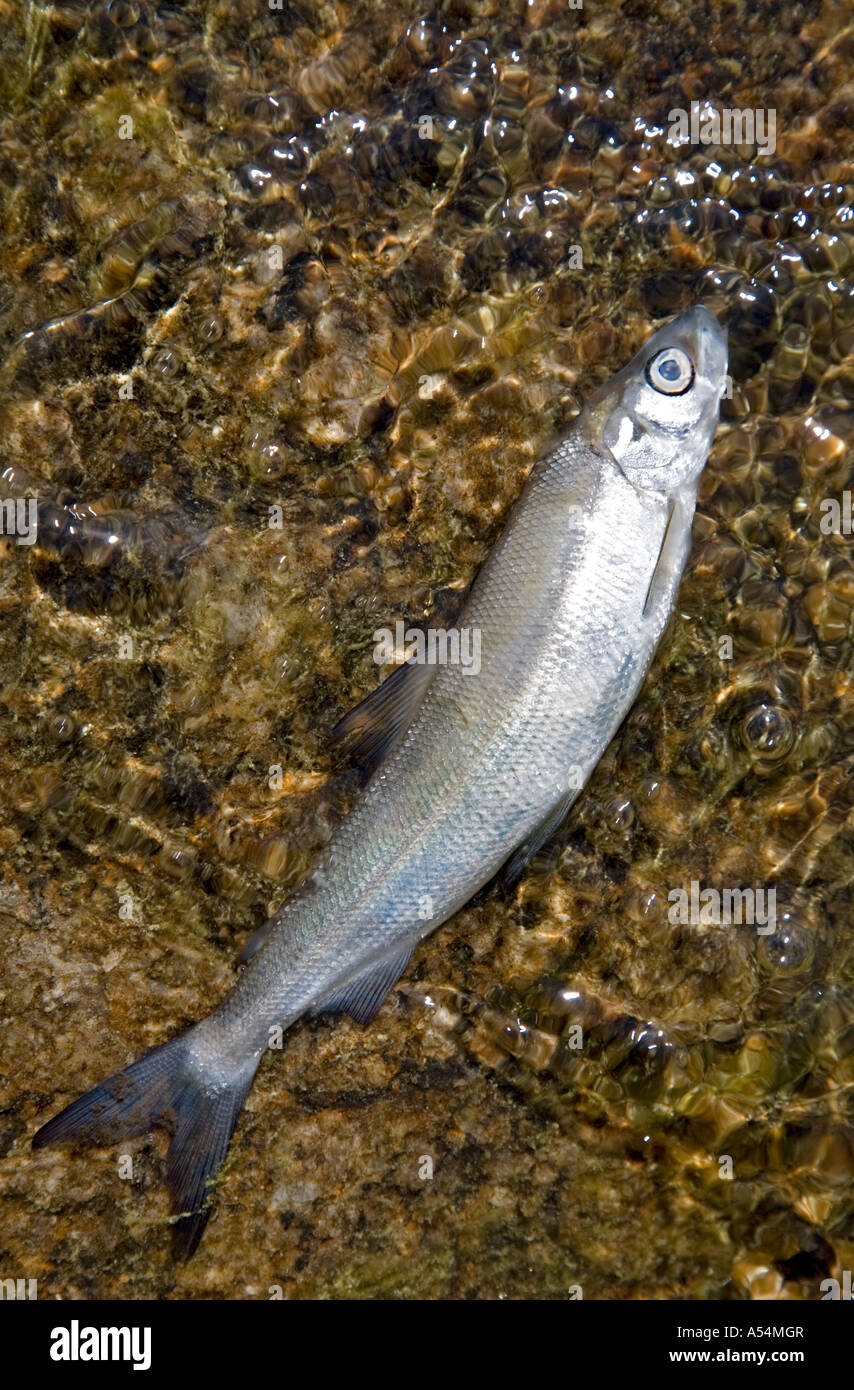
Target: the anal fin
pixel 362 996
pixel 256 940
pixel 513 867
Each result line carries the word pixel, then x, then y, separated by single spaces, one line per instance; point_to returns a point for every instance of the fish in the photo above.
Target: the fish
pixel 469 774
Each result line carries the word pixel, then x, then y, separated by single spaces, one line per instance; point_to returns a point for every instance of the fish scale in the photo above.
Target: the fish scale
pixel 478 767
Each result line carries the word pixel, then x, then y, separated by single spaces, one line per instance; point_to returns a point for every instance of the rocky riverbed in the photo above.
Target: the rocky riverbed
pixel 290 300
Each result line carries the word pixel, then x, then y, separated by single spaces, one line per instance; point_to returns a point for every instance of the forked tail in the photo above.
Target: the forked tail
pixel 165 1089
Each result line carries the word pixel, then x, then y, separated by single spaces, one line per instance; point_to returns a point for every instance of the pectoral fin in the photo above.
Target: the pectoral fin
pixel 370 732
pixel 671 556
pixel 362 996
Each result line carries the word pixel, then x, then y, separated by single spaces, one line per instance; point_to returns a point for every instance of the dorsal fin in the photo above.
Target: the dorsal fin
pixel 370 731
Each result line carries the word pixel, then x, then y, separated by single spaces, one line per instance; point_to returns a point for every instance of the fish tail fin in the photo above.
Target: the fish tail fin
pixel 165 1088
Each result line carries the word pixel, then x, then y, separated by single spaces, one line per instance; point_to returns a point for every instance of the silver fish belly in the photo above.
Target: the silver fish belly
pixel 473 768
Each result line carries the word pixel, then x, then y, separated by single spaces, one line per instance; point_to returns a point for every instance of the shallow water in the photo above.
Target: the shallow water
pixel 361 265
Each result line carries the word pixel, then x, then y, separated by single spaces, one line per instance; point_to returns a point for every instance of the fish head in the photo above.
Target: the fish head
pixel 657 417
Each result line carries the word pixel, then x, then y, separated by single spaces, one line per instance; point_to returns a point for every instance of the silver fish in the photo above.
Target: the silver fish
pixel 472 772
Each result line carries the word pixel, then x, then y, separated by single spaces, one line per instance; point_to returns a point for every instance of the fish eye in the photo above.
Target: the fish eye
pixel 670 371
